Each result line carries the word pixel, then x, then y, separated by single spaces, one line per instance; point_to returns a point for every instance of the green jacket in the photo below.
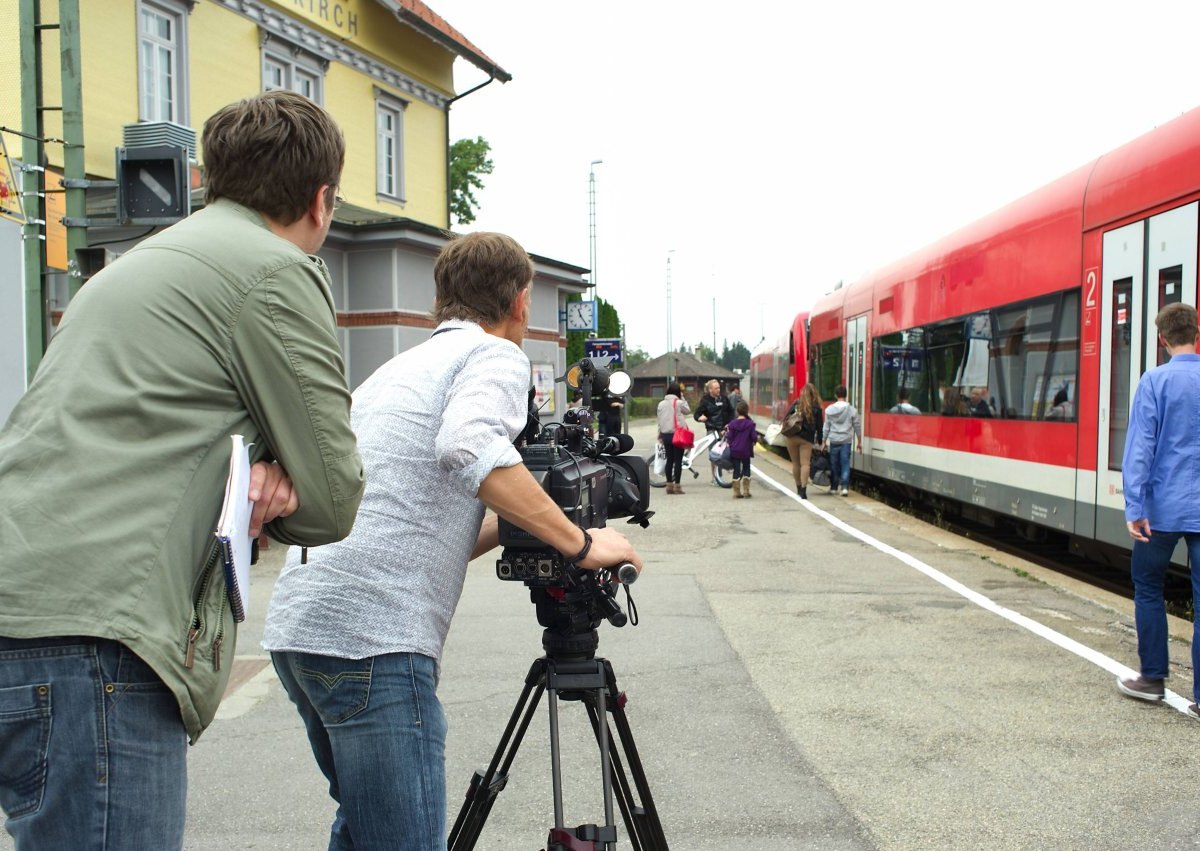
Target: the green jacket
pixel 112 466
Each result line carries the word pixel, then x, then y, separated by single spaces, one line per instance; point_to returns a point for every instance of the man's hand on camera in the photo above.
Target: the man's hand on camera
pixel 272 493
pixel 609 549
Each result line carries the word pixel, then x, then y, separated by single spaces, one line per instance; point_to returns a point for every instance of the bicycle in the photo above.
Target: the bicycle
pixel 721 476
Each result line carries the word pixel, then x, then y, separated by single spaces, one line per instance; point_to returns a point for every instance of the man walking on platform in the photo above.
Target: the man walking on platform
pixel 843 427
pixel 1159 472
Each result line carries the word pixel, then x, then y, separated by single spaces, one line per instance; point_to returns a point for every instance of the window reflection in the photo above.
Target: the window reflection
pixel 1019 361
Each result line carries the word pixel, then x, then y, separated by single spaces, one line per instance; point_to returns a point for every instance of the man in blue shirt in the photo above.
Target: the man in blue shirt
pixel 1159 474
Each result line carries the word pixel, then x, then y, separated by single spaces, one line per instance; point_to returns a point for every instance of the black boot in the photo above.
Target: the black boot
pixel 803 491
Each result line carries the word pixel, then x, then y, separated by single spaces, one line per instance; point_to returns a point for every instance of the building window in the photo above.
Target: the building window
pixel 287 67
pixel 389 146
pixel 162 60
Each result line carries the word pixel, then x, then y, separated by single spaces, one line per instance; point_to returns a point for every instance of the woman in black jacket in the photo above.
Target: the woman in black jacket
pixel 800 445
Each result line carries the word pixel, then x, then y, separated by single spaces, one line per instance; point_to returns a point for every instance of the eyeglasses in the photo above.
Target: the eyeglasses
pixel 338 201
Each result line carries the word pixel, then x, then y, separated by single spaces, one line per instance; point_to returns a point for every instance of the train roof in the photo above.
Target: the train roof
pixel 1141 175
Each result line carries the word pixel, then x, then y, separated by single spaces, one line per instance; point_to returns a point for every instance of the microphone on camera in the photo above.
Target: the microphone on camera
pixel 614 444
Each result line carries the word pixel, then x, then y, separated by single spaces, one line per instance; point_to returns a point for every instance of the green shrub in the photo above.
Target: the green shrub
pixel 642 406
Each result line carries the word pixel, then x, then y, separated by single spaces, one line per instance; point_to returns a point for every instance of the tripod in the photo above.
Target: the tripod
pixel 570 670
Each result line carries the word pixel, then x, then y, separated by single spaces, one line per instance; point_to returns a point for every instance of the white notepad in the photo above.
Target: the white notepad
pixel 233 529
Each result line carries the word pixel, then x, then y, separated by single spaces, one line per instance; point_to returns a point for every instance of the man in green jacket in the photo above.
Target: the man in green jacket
pixel 116 633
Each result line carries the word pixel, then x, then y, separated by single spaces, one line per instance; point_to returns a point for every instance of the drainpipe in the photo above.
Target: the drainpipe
pixel 491 79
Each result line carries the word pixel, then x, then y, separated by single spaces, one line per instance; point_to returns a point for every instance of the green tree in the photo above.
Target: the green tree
pixel 468 160
pixel 705 353
pixel 635 356
pixel 736 356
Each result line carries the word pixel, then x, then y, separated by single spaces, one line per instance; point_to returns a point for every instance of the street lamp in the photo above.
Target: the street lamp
pixel 592 223
pixel 670 348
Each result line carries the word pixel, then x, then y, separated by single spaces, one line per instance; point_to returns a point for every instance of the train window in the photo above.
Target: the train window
pixel 1122 364
pixel 900 364
pixel 1170 291
pixel 828 373
pixel 1019 361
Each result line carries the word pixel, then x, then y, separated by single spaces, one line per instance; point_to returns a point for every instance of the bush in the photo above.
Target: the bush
pixel 642 406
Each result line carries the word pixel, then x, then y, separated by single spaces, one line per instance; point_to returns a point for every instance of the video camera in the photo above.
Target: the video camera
pixel 592 482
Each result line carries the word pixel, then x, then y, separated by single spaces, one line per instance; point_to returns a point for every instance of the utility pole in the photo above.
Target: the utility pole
pixel 670 347
pixel 592 275
pixel 33 184
pixel 74 164
pixel 33 168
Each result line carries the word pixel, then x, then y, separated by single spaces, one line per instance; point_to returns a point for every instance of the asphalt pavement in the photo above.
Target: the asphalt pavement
pixel 791 685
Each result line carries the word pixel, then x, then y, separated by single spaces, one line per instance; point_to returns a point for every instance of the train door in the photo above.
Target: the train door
pixel 1147 265
pixel 856 362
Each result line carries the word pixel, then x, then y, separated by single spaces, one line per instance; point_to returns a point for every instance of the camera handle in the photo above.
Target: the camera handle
pixel 591 682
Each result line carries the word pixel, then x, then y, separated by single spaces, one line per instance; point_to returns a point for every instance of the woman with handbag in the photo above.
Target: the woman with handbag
pixel 670 410
pixel 802 427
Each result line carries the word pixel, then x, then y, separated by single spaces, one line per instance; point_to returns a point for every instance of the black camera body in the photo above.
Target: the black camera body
pixel 591 483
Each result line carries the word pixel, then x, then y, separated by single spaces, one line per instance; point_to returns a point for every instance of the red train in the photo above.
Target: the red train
pixel 1020 339
pixel 778 371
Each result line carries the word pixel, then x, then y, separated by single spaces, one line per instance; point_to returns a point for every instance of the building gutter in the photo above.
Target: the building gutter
pixel 491 79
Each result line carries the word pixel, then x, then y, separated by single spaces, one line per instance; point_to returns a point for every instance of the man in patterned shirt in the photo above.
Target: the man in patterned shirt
pixel 356 633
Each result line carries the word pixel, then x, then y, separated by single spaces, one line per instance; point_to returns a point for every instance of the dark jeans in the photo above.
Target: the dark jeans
pixel 378 732
pixel 93 751
pixel 741 468
pixel 1149 569
pixel 839 463
pixel 674 457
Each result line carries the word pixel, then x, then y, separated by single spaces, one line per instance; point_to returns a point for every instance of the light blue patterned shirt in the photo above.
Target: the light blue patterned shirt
pixel 431 423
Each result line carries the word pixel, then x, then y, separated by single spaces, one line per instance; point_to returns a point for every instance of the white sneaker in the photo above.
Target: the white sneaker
pixel 845 492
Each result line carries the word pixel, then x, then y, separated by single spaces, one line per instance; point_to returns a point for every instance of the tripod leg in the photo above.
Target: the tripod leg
pixel 645 829
pixel 486 785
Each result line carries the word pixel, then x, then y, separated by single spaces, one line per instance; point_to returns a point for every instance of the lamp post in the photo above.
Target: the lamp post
pixel 670 348
pixel 592 225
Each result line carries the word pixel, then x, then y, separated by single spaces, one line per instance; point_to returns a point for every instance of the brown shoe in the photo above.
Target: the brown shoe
pixel 670 487
pixel 737 488
pixel 678 488
pixel 1142 688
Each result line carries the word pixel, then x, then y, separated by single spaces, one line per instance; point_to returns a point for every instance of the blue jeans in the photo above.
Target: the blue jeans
pixel 1149 569
pixel 114 772
pixel 839 465
pixel 379 735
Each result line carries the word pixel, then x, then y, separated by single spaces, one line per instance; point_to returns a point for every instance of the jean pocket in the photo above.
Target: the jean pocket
pixel 24 740
pixel 338 689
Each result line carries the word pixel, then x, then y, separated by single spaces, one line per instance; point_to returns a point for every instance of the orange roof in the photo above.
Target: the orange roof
pixel 424 20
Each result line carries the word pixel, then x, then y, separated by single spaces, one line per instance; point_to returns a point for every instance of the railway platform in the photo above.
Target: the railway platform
pixel 834 675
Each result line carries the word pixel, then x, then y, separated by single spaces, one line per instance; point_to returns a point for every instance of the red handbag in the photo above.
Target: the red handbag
pixel 684 437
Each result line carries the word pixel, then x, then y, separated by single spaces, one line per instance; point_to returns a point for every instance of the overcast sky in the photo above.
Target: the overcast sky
pixel 780 147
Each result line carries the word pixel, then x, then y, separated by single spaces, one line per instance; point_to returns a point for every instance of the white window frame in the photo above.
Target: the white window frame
pixel 296 66
pixel 176 11
pixel 389 186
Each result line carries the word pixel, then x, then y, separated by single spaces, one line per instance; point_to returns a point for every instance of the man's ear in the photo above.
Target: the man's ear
pixel 320 210
pixel 522 303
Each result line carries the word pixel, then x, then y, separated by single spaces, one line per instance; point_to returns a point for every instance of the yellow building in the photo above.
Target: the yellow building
pixel 153 70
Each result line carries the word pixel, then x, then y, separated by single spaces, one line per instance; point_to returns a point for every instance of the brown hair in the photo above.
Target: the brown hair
pixel 809 401
pixel 1177 324
pixel 272 153
pixel 743 409
pixel 479 276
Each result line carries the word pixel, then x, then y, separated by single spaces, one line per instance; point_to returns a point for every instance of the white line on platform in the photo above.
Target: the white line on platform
pixel 1175 701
